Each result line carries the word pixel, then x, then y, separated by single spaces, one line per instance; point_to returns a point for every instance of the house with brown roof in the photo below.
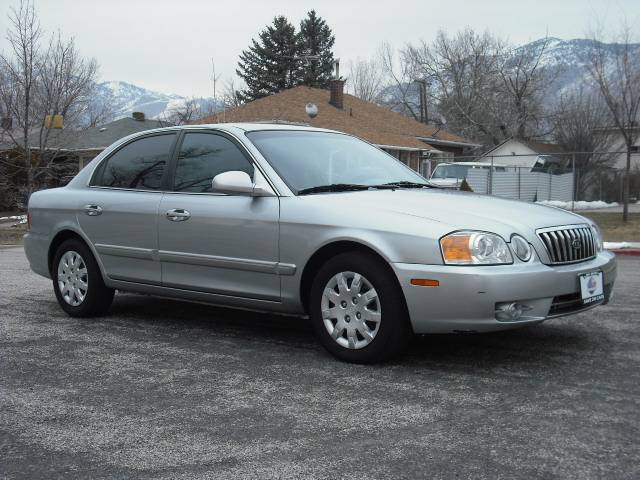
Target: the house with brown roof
pixel 415 144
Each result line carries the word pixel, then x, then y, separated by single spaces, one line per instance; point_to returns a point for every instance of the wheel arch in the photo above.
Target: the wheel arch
pixel 328 251
pixel 65 234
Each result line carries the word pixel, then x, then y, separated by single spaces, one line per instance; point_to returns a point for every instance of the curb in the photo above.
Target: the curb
pixel 635 252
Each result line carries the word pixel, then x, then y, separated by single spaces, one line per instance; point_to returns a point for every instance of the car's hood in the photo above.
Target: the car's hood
pixel 455 210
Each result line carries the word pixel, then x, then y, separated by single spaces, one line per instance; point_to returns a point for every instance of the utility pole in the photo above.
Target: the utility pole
pixel 573 170
pixel 422 90
pixel 213 80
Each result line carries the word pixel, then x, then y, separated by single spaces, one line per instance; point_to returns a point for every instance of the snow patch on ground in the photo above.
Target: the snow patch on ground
pixel 621 245
pixel 578 205
pixel 15 219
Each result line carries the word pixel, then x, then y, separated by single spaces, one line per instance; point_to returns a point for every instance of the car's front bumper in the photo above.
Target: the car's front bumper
pixel 466 297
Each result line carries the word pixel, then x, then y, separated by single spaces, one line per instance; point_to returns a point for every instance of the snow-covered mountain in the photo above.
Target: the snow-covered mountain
pixel 125 98
pixel 567 60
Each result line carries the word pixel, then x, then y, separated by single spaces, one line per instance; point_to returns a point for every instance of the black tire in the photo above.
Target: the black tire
pixel 394 331
pixel 98 297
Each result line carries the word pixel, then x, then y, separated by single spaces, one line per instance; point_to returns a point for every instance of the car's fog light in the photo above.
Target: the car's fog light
pixel 510 311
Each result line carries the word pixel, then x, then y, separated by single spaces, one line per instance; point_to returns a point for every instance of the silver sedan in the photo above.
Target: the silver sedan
pixel 313 223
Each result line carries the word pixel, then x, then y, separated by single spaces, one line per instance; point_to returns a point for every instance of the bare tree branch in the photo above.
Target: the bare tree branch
pixel 365 79
pixel 37 80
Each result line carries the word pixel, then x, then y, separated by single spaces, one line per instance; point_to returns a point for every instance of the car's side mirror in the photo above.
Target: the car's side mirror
pixel 238 183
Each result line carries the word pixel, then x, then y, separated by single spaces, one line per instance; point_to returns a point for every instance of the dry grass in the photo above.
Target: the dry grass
pixel 613 230
pixel 11 231
pixel 12 235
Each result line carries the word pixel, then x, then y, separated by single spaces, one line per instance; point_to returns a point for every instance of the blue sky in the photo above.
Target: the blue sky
pixel 168 45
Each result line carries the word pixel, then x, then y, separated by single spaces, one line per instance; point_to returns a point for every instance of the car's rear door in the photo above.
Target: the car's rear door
pixel 120 211
pixel 212 242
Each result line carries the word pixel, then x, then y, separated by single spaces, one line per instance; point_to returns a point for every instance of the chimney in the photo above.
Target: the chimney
pixel 336 88
pixel 138 116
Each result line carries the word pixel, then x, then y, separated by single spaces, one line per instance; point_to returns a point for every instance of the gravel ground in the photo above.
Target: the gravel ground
pixel 168 390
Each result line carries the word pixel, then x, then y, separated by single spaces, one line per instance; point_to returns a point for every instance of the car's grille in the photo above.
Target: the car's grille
pixel 566 304
pixel 568 244
pixel 572 303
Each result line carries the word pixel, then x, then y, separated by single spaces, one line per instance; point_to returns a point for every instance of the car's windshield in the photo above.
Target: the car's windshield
pixel 307 159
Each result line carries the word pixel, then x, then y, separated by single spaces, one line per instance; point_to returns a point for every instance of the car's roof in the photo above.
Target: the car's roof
pixel 252 127
pixel 247 127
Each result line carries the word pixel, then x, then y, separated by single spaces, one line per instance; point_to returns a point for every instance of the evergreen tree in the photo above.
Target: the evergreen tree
pixel 316 39
pixel 270 65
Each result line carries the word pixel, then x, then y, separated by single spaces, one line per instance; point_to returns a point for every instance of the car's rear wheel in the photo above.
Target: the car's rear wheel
pixel 77 281
pixel 357 309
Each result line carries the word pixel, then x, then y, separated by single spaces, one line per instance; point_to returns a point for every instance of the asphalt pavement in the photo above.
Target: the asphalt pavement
pixel 161 389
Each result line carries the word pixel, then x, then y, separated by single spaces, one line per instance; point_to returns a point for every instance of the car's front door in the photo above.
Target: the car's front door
pixel 217 243
pixel 119 213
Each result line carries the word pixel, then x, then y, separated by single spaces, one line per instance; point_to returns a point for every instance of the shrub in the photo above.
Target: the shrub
pixel 465 187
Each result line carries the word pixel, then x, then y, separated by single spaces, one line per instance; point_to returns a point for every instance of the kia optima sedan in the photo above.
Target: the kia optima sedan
pixel 313 223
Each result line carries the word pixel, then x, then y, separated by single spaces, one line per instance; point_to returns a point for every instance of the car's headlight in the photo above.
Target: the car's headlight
pixel 597 237
pixel 521 247
pixel 474 248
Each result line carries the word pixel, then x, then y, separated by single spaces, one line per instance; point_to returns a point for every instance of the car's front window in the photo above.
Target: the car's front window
pixel 202 156
pixel 307 159
pixel 450 171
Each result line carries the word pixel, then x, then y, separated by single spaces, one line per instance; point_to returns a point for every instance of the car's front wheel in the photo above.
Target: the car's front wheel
pixel 357 309
pixel 77 281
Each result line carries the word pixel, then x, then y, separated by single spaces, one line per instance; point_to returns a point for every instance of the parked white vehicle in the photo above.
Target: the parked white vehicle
pixel 451 175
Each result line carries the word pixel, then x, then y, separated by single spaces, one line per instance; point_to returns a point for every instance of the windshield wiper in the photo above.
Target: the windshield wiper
pixel 333 187
pixel 405 184
pixel 347 187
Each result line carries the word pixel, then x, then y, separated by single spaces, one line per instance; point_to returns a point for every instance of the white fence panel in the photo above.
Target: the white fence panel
pixel 543 192
pixel 478 180
pixel 521 184
pixel 562 187
pixel 505 184
pixel 529 185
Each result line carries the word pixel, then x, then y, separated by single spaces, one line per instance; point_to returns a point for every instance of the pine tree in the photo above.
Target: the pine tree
pixel 316 39
pixel 270 65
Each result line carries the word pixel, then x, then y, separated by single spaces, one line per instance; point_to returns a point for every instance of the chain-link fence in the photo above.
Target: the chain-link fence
pixel 561 176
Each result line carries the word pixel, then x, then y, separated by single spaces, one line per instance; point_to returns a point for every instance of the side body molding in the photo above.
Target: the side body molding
pixel 231 263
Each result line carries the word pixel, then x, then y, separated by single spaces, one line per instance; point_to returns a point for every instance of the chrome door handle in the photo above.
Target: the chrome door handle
pixel 178 215
pixel 93 210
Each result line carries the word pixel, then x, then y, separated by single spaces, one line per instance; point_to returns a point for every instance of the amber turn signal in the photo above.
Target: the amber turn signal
pixel 455 248
pixel 425 282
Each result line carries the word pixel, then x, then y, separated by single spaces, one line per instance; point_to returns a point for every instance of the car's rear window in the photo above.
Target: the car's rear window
pixel 140 164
